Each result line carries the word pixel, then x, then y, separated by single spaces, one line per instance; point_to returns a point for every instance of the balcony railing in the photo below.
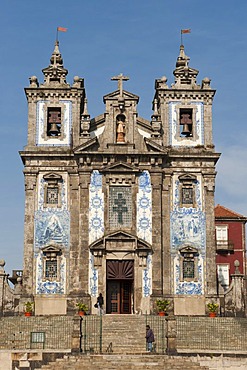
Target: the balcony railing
pixel 224 245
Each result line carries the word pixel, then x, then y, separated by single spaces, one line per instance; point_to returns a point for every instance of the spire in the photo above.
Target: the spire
pixel 55 74
pixel 182 60
pixel 85 121
pixel 56 58
pixel 185 76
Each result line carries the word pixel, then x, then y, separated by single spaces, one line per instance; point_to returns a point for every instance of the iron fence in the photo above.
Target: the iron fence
pixel 37 332
pixel 159 326
pixel 216 334
pixel 91 334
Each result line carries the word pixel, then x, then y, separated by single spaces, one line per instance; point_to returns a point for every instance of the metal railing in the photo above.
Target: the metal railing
pixel 53 332
pixel 212 334
pixel 91 334
pixel 159 326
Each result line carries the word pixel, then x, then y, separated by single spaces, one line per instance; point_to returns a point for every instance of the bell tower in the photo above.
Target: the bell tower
pixel 185 113
pixel 55 112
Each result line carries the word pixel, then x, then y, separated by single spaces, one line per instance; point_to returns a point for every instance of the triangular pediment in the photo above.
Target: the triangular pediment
pixel 52 248
pixel 116 94
pixel 120 235
pixel 52 176
pixel 188 249
pixel 117 238
pixel 119 167
pixel 89 143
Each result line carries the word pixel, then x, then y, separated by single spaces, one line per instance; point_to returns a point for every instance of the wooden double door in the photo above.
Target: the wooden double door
pixel 119 297
pixel 120 277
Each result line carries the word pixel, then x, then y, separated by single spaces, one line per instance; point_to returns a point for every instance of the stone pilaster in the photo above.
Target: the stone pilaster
pixel 210 276
pixel 29 268
pixel 166 194
pixel 158 273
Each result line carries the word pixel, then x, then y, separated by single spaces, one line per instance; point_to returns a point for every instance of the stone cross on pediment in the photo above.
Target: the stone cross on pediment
pixel 120 78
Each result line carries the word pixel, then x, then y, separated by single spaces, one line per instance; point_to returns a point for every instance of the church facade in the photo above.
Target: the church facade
pixel 119 204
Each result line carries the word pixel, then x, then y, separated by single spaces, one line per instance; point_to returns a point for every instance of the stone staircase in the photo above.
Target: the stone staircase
pixel 124 334
pixel 123 362
pixel 124 340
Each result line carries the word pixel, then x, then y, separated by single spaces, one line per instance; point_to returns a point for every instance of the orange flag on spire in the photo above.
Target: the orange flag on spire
pixel 188 30
pixel 62 29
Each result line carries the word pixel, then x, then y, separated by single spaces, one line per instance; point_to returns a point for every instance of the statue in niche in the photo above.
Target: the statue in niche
pixel 121 129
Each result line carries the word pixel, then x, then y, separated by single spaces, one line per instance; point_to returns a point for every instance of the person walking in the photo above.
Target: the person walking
pixel 149 338
pixel 100 303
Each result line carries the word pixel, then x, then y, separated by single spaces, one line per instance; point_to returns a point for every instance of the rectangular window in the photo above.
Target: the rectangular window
pixel 221 233
pixel 187 195
pixel 188 269
pixel 52 195
pixel 51 268
pixel 120 206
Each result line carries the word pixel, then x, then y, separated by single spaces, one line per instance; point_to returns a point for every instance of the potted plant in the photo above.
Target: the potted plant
pixel 162 305
pixel 212 308
pixel 82 308
pixel 28 308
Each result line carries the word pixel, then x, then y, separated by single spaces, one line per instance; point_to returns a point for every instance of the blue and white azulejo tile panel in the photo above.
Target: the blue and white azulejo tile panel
pixel 188 228
pixel 45 286
pixel 96 207
pixel 144 208
pixel 93 277
pixel 147 277
pixel 51 227
pixel 189 287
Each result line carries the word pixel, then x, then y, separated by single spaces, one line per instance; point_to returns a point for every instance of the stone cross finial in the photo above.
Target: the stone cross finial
pixel 120 78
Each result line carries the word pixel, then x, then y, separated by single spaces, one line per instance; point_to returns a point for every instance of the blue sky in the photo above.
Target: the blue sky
pixel 139 38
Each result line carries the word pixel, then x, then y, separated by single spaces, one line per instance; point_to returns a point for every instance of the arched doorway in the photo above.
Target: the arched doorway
pixel 120 277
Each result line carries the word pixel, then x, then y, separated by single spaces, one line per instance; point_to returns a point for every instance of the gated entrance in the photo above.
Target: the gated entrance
pixel 120 277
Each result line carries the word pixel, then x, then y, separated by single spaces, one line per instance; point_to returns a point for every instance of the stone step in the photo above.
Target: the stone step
pixel 123 362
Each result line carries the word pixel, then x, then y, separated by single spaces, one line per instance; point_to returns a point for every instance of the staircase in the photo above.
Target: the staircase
pixel 124 347
pixel 123 362
pixel 123 334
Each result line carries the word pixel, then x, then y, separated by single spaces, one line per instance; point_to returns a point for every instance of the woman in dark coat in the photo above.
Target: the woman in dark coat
pixel 100 303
